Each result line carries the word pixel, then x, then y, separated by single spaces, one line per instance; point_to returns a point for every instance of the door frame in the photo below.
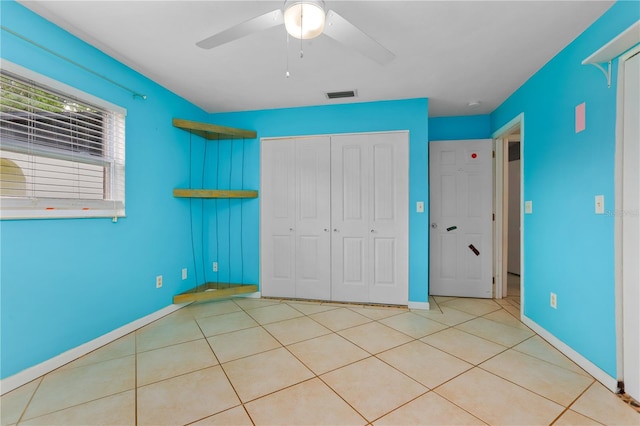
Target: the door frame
pixel 622 270
pixel 501 205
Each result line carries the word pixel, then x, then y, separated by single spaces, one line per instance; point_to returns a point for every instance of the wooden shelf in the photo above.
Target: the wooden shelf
pixel 213 131
pixel 211 291
pixel 214 193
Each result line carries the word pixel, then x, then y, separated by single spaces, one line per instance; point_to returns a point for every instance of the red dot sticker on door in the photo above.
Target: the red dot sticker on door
pixel 474 155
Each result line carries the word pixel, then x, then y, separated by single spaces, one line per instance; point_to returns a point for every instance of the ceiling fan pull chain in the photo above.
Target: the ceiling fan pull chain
pixel 301 32
pixel 287 54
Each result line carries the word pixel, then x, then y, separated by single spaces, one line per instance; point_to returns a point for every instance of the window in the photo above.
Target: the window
pixel 61 151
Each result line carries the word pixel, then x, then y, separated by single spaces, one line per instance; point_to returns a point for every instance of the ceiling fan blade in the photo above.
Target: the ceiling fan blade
pixel 254 25
pixel 348 34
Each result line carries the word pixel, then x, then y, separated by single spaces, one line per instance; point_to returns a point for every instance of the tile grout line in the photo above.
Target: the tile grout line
pixel 24 411
pixel 315 375
pixel 568 407
pixel 371 320
pixel 351 308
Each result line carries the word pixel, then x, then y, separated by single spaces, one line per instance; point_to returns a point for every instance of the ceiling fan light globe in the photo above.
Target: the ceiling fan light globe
pixel 304 19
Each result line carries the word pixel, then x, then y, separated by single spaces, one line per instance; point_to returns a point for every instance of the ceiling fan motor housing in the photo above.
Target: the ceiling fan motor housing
pixel 304 19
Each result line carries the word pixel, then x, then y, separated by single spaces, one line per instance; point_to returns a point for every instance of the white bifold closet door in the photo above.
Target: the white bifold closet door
pixel 369 218
pixel 334 218
pixel 295 223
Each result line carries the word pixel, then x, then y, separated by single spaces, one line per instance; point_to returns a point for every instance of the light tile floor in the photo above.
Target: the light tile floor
pixel 271 362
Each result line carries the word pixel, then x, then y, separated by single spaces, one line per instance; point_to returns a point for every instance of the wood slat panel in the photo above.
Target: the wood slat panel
pixel 220 291
pixel 214 193
pixel 213 131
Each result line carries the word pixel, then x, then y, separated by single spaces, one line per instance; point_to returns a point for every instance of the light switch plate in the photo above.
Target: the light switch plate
pixel 420 207
pixel 528 207
pixel 599 204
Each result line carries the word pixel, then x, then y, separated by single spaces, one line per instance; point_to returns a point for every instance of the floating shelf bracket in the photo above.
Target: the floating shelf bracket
pixel 603 57
pixel 606 71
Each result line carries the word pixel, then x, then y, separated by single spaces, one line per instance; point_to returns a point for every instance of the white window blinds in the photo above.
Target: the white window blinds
pixel 60 155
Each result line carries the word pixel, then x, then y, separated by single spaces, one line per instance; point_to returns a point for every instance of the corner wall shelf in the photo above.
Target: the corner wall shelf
pixel 213 131
pixel 214 290
pixel 214 193
pixel 210 291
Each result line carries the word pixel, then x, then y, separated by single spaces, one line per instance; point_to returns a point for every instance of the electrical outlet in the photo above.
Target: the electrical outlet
pixel 553 301
pixel 599 204
pixel 159 281
pixel 528 207
pixel 215 266
pixel 184 273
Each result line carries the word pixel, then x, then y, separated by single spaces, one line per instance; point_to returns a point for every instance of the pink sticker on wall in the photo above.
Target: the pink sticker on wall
pixel 581 123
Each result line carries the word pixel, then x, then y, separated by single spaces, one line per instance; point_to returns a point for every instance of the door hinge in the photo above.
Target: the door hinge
pixel 494 217
pixel 493 154
pixel 494 280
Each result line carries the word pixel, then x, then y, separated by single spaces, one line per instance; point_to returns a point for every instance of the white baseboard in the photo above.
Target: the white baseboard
pixel 25 376
pixel 419 305
pixel 599 374
pixel 256 295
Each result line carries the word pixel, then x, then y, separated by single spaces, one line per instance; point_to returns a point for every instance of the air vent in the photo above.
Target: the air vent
pixel 343 94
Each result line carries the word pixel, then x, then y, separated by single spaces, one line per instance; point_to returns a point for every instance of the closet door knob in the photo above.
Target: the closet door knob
pixel 290 229
pixel 326 229
pixel 335 230
pixel 373 231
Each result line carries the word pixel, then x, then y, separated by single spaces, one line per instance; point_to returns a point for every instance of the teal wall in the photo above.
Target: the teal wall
pixel 568 249
pixel 459 128
pixel 408 114
pixel 66 282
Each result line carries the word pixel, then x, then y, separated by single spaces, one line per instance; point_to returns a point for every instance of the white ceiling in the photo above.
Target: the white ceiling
pixel 451 52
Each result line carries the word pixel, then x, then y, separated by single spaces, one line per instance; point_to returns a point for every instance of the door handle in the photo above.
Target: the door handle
pixel 326 229
pixel 373 231
pixel 335 230
pixel 434 225
pixel 290 229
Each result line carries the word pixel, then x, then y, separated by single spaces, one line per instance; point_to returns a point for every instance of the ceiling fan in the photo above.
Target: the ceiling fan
pixel 305 19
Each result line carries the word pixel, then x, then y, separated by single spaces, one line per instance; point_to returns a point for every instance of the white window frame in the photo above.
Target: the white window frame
pixel 42 208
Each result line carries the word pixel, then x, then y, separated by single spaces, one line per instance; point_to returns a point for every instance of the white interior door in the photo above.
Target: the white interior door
pixel 313 218
pixel 369 244
pixel 631 227
pixel 388 219
pixel 278 218
pixel 460 187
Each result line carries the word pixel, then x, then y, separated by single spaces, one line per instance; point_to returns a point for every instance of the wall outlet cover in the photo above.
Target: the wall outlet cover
pixel 599 204
pixel 528 207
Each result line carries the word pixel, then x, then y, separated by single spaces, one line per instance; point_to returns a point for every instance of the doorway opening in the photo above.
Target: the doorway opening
pixel 508 268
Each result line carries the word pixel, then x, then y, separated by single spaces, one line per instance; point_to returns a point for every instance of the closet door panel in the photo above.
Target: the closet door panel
pixel 313 218
pixel 389 229
pixel 277 236
pixel 350 218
